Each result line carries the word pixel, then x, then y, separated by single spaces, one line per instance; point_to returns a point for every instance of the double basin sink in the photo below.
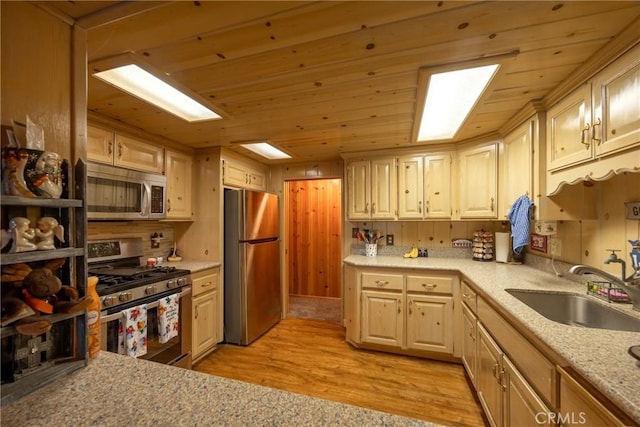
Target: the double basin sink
pixel 576 310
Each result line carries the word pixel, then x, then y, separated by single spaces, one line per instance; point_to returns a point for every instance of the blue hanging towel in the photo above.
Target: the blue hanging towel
pixel 519 217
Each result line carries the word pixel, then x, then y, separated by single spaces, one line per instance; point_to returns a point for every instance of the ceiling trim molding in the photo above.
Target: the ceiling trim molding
pixel 117 12
pixel 611 51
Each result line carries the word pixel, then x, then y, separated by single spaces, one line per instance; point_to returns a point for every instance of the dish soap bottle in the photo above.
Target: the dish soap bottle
pixel 93 318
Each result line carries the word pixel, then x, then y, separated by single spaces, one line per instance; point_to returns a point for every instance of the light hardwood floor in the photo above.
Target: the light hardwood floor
pixel 311 357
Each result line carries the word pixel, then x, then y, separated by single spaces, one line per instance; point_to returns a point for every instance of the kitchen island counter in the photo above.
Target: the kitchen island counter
pixel 599 355
pixel 117 390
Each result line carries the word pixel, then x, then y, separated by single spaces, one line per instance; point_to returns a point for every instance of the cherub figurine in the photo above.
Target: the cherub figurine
pixel 21 234
pixel 47 228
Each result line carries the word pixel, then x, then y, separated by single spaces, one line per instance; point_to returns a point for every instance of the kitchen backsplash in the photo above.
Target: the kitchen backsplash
pixel 142 229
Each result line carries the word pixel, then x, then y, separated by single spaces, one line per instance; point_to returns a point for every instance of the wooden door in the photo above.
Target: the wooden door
pixel 314 236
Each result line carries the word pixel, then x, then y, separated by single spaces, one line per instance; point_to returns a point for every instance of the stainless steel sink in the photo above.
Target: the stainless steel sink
pixel 577 310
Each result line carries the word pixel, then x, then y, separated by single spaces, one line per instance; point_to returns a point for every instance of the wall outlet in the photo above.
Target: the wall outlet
pixel 546 228
pixel 555 247
pixel 389 239
pixel 354 232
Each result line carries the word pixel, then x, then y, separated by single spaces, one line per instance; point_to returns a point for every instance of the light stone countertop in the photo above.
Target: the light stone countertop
pixel 117 390
pixel 194 266
pixel 601 356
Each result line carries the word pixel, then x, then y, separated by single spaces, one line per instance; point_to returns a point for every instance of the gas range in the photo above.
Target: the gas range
pixel 121 277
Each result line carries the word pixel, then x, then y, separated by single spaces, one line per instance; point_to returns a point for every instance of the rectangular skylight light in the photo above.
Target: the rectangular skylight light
pixel 144 85
pixel 266 150
pixel 450 97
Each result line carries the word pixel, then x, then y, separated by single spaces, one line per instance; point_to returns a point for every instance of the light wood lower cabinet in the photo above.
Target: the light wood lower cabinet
pixel 469 343
pixel 382 318
pixel 579 406
pixel 430 323
pixel 206 306
pixel 522 406
pixel 489 377
pixel 403 311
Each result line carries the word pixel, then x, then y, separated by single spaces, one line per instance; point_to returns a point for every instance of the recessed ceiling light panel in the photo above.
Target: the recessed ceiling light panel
pixel 140 83
pixel 266 150
pixel 449 99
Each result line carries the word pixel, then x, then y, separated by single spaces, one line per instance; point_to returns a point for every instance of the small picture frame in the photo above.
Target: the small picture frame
pixel 539 243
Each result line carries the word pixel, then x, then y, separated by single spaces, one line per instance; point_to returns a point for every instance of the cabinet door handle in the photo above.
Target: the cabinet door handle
pixel 593 132
pixel 168 205
pixel 373 207
pixel 495 371
pixel 420 206
pixel 366 207
pixel 120 150
pixel 110 149
pixel 410 304
pixel 196 315
pixel 492 200
pixel 426 206
pixel 584 136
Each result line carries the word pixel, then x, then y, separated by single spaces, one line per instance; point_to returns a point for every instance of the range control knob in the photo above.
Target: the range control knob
pixel 125 296
pixel 172 284
pixel 150 290
pixel 108 301
pixel 182 281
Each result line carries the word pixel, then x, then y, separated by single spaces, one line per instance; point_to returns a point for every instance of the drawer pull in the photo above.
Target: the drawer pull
pixel 467 296
pixel 429 286
pixel 206 285
pixel 381 283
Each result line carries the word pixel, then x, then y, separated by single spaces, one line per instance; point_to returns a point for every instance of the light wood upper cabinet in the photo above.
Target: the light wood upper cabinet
pixel 237 174
pixel 371 189
pixel 616 102
pixel 568 130
pixel 437 192
pixel 424 186
pixel 111 148
pixel 478 183
pixel 179 171
pixel 411 187
pixel 598 119
pixel 100 145
pixel 517 175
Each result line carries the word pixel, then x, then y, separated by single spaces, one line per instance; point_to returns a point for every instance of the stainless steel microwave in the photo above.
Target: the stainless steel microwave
pixel 115 193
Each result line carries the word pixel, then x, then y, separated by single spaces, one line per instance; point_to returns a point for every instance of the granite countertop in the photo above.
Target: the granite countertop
pixel 117 390
pixel 599 355
pixel 194 266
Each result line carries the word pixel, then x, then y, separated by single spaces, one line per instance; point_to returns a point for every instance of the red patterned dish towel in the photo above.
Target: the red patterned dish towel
pixel 168 317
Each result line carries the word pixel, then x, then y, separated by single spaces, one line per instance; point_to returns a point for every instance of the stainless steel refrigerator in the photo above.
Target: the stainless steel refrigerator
pixel 252 301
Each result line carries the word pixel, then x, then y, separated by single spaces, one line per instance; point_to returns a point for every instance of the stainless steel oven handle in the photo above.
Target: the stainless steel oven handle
pixel 115 316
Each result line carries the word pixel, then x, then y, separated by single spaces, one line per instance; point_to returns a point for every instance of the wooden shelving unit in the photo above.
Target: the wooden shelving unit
pixel 29 362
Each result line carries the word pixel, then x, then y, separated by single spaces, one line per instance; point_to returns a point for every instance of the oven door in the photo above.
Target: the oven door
pixel 177 351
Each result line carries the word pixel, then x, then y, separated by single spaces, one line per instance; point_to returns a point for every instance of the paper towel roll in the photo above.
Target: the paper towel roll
pixel 503 247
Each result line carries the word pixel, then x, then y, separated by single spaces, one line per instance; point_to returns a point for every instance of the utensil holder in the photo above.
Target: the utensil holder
pixel 371 249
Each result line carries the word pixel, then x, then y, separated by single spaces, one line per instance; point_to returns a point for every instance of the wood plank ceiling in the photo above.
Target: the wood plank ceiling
pixel 322 78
